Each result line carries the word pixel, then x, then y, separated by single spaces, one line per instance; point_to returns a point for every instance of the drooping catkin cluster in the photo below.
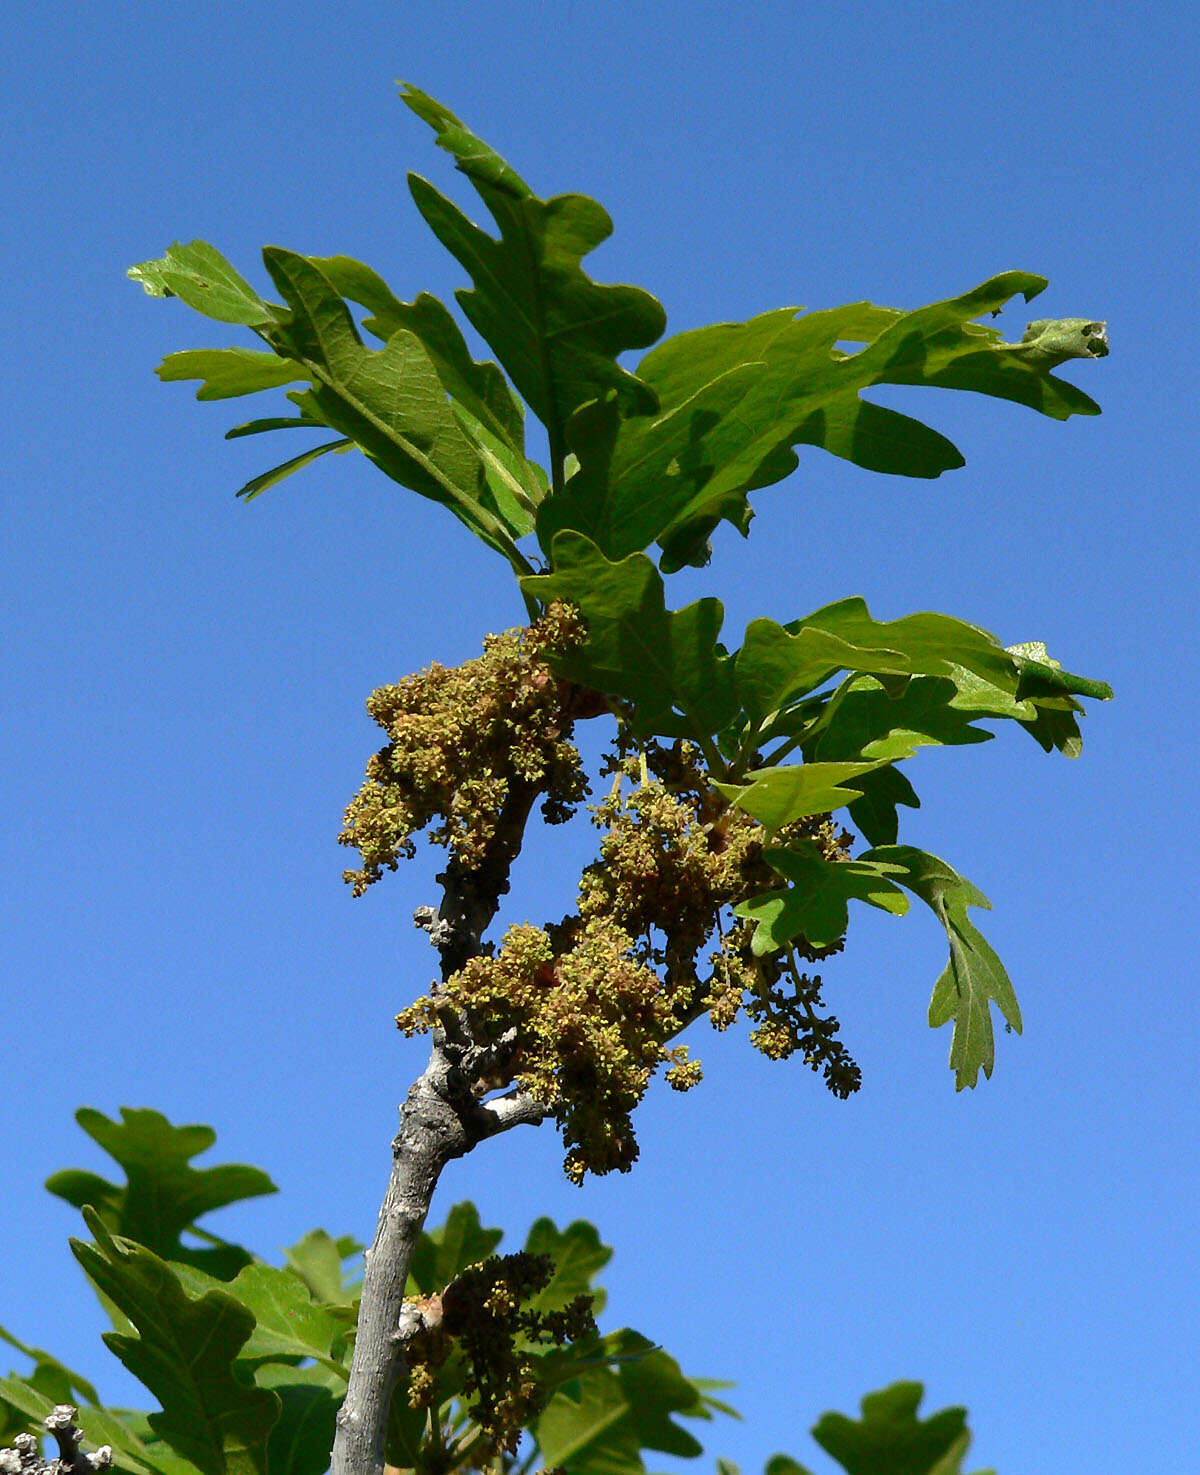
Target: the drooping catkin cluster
pixel 582 1013
pixel 480 1315
pixel 461 740
pixel 590 1025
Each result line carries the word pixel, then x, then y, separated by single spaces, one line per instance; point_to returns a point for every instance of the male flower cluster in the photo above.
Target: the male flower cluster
pixel 582 1013
pixel 463 742
pixel 480 1316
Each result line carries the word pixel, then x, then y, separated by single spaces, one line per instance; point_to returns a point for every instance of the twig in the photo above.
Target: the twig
pixel 23 1458
pixel 441 1119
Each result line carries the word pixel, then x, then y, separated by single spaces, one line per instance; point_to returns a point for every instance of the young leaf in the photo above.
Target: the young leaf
pixel 164 1194
pixel 815 906
pixel 866 719
pixel 889 1439
pixel 1052 692
pixel 556 332
pixel 974 977
pixel 478 387
pixel 578 1255
pixel 288 1324
pixel 265 480
pixel 390 402
pixel 779 663
pixel 670 665
pixel 714 440
pixel 777 796
pixel 1052 341
pixel 228 372
pixel 200 276
pixel 441 1253
pixel 515 486
pixel 874 812
pixel 318 1259
pixel 301 1440
pixel 184 1352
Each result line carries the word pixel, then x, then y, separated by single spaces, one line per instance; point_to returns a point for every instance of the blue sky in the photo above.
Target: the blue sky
pixel 184 676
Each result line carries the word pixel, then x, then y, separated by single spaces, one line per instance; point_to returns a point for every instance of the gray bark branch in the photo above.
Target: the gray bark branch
pixel 23 1458
pixel 442 1118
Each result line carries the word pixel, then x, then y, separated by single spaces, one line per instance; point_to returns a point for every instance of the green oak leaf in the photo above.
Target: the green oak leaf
pixel 665 456
pixel 655 1389
pixel 301 1440
pixel 200 276
pixel 490 414
pixel 13 1419
pixel 815 907
pixel 1055 726
pixel 486 415
pixel 578 1256
pixel 599 1421
pixel 479 388
pixel 265 480
pixel 556 331
pixel 580 505
pixel 890 1439
pixel 556 1366
pixel 50 1377
pixel 318 1259
pixel 275 422
pixel 288 1323
pixel 229 372
pixel 783 1465
pixel 974 977
pixel 515 485
pixel 866 718
pixel 164 1195
pixel 715 438
pixel 390 401
pixel 874 812
pixel 440 1254
pixel 184 1352
pixel 778 664
pixel 669 664
pixel 584 1429
pixel 159 1452
pixel 1052 692
pixel 404 1439
pixel 777 796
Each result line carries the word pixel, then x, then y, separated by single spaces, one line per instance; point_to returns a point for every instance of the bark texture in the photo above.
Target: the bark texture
pixel 442 1118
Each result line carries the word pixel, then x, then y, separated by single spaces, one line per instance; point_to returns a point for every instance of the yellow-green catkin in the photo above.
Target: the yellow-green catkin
pixel 594 1002
pixel 461 739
